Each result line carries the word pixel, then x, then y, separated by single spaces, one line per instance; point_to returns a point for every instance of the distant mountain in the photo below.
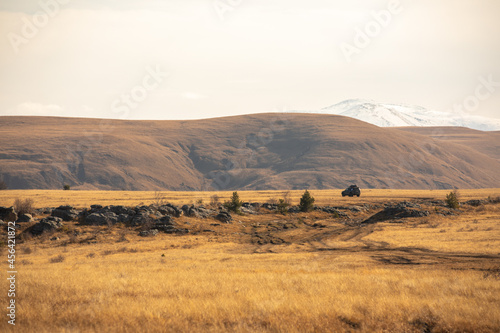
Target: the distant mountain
pixel 394 115
pixel 273 151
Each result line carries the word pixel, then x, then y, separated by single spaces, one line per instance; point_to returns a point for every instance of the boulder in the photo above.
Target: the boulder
pixel 47 224
pixel 8 214
pixel 148 233
pixel 25 218
pixel 475 203
pixel 105 218
pixel 171 210
pixel 224 217
pixel 67 213
pixel 142 217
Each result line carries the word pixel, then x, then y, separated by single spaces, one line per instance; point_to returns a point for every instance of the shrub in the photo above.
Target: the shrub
pixel 23 206
pixel 159 199
pixel 235 204
pixel 59 258
pixel 66 187
pixel 452 200
pixel 306 202
pixel 3 186
pixel 214 200
pixel 283 206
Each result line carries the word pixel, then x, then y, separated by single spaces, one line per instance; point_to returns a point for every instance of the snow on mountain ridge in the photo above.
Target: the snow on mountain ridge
pixel 395 115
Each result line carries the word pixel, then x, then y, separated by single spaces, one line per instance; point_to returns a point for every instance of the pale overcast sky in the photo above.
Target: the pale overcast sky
pixel 227 57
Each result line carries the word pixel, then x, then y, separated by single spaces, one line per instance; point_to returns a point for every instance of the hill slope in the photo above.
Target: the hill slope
pixel 262 151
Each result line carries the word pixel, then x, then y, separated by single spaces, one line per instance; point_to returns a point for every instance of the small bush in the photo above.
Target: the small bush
pixel 199 202
pixel 494 200
pixel 306 202
pixel 27 250
pixel 23 206
pixel 234 204
pixel 452 200
pixel 159 199
pixel 59 258
pixel 66 187
pixel 3 186
pixel 214 200
pixel 272 201
pixel 283 206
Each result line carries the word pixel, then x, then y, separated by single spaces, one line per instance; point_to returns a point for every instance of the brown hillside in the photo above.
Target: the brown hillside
pixel 262 151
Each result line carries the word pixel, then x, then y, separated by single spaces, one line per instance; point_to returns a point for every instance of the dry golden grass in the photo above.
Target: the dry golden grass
pixel 82 199
pixel 477 231
pixel 111 280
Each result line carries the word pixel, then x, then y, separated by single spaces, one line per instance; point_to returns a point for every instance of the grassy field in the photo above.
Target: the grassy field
pixel 432 274
pixel 82 199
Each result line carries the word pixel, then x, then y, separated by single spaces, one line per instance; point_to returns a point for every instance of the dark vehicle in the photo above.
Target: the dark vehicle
pixel 351 191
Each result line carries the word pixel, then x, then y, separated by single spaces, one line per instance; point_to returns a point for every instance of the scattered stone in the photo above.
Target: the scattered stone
pixel 47 224
pixel 171 210
pixel 224 217
pixel 67 213
pixel 54 238
pixel 24 218
pixel 105 218
pixel 8 214
pixel 476 203
pixel 148 233
pixel 398 211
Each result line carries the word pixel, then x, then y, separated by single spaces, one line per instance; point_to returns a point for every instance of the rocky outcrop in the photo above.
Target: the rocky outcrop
pixel 67 213
pixel 48 224
pixel 8 214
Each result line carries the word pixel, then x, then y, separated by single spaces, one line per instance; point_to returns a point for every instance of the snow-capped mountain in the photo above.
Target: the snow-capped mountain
pixel 394 115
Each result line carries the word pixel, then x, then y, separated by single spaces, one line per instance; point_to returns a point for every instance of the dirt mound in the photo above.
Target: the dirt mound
pixel 400 210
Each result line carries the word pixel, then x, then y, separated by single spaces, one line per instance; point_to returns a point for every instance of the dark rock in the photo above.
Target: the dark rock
pixel 475 203
pixel 270 206
pixel 224 217
pixel 25 218
pixel 119 210
pixel 95 207
pixel 8 214
pixel 148 233
pixel 67 213
pixel 398 211
pixel 142 217
pixel 105 218
pixel 124 218
pixel 65 207
pixel 47 224
pixel 171 210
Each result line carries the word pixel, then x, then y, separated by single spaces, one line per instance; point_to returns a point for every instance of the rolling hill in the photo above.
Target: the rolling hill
pixel 258 152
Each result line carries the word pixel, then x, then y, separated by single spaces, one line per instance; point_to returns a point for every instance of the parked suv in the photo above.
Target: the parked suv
pixel 351 191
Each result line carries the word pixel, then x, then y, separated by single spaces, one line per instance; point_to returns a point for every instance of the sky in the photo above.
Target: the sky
pixel 190 59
